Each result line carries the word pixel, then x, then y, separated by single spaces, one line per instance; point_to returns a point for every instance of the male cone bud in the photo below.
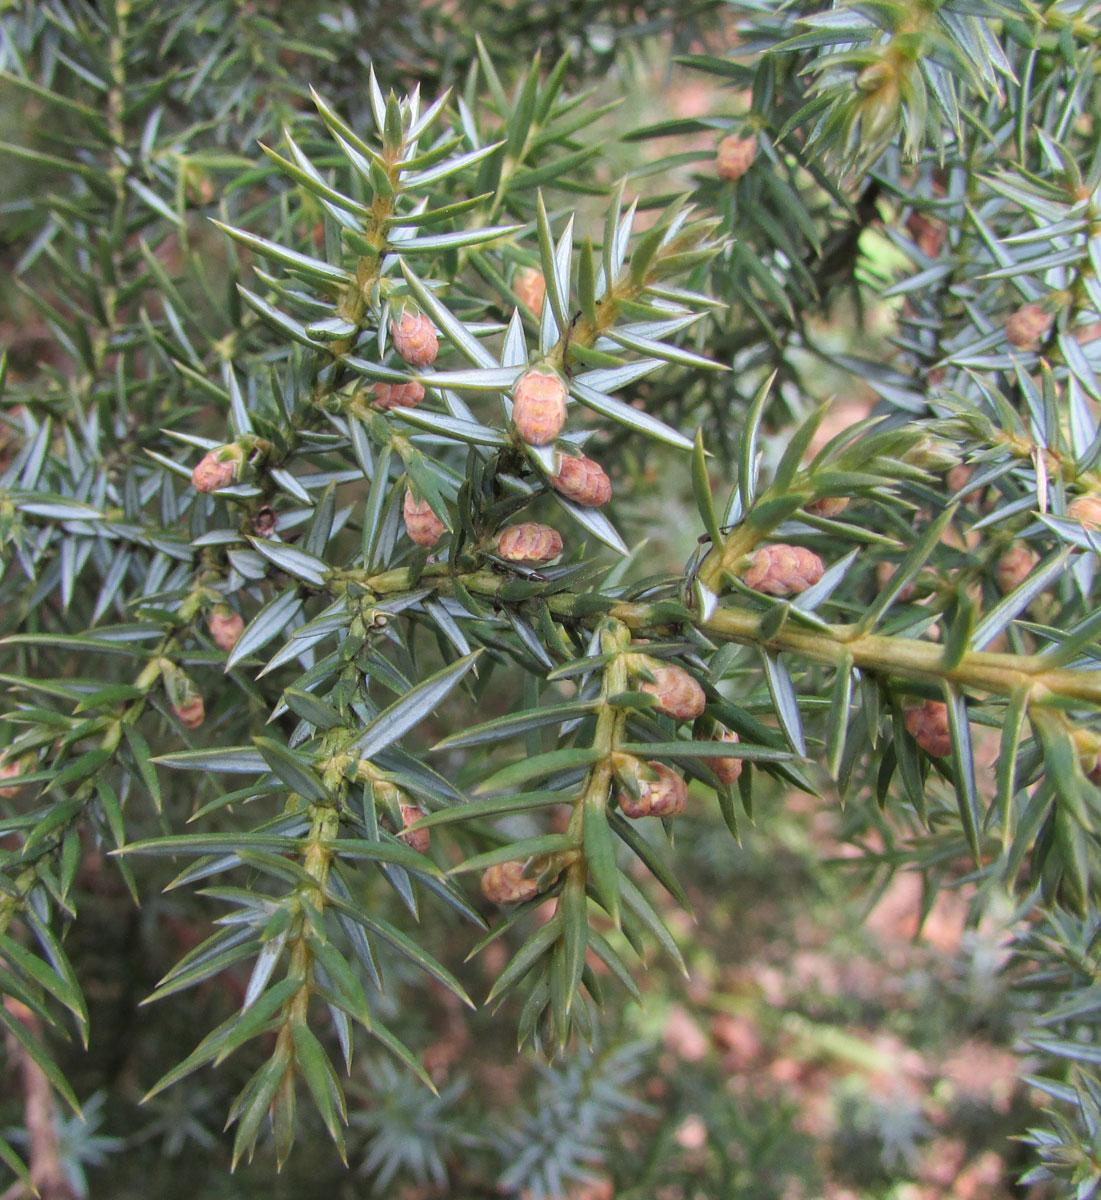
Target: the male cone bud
pixel 727 769
pixel 735 156
pixel 583 481
pixel 394 395
pixel 419 839
pixel 421 523
pixel 539 407
pixel 8 770
pixel 678 695
pixel 828 506
pixel 218 468
pixel 506 883
pixel 665 795
pixel 1014 567
pixel 928 725
pixel 1027 327
pixel 1087 510
pixel 415 339
pixel 190 710
pixel 782 570
pixel 531 290
pixel 529 543
pixel 226 626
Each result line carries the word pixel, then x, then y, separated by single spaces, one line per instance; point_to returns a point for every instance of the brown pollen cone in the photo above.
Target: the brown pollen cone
pixel 678 695
pixel 421 523
pixel 1014 567
pixel 212 473
pixel 828 506
pixel 1028 326
pixel 530 289
pixel 664 796
pixel 539 407
pixel 1087 510
pixel 420 839
pixel 735 155
pixel 782 570
pixel 415 339
pixel 727 769
pixel 9 770
pixel 583 481
pixel 226 626
pixel 529 543
pixel 928 725
pixel 395 395
pixel 191 711
pixel 506 883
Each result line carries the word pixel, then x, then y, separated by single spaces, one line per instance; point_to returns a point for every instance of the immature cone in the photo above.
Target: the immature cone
pixel 217 469
pixel 421 523
pixel 664 796
pixel 781 570
pixel 1026 328
pixel 884 573
pixel 727 769
pixel 735 156
pixel 531 290
pixel 529 543
pixel 828 506
pixel 928 726
pixel 506 884
pixel 958 478
pixel 583 481
pixel 1086 509
pixel 9 771
pixel 394 395
pixel 226 626
pixel 1014 567
pixel 415 339
pixel 539 407
pixel 420 839
pixel 190 711
pixel 678 695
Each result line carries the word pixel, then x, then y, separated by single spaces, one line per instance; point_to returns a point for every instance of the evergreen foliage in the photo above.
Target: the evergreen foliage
pixel 260 636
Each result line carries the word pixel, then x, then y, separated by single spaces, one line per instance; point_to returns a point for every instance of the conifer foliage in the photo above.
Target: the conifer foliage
pixel 351 343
